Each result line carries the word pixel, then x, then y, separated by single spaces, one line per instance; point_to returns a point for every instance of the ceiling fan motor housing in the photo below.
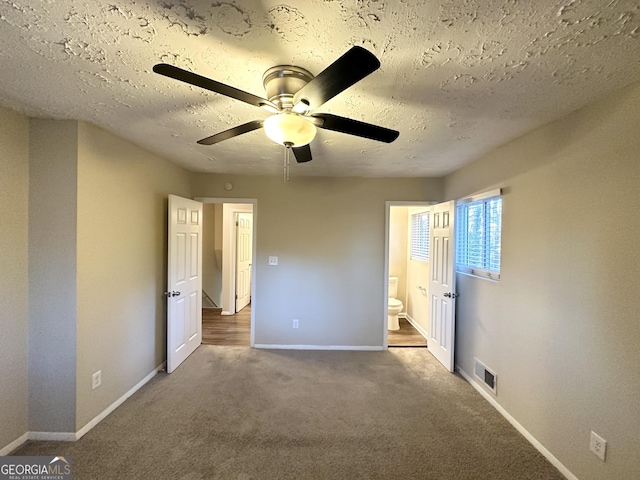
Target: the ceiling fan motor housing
pixel 282 82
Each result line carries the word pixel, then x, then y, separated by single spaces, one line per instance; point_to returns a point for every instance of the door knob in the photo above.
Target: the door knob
pixel 451 295
pixel 172 294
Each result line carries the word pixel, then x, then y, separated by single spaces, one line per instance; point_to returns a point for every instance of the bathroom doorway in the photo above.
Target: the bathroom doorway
pixel 405 223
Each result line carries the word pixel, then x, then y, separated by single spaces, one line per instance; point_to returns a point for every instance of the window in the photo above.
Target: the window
pixel 478 235
pixel 420 236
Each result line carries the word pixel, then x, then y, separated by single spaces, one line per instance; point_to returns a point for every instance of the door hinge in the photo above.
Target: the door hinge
pixel 236 297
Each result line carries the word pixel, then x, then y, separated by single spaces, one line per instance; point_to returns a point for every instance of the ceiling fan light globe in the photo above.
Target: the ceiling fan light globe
pixel 289 129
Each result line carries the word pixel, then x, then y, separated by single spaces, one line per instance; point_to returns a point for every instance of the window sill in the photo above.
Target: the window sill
pixel 483 275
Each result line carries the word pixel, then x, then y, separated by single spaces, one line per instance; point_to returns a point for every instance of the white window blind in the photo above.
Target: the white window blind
pixel 420 236
pixel 478 237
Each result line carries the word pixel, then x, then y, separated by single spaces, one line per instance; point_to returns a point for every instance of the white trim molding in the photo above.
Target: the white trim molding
pixel 73 436
pixel 538 446
pixel 54 436
pixel 13 445
pixel 228 300
pixel 84 430
pixel 479 196
pixel 417 326
pixel 369 348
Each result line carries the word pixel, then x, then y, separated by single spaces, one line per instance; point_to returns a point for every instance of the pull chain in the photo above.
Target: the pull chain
pixel 285 167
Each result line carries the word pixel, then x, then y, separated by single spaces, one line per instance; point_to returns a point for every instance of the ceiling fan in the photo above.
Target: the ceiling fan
pixel 293 93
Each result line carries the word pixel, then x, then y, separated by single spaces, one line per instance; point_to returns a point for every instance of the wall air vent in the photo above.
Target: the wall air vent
pixel 486 376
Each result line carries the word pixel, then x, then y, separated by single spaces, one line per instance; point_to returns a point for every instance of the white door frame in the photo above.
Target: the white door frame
pixel 229 245
pixel 387 226
pixel 229 270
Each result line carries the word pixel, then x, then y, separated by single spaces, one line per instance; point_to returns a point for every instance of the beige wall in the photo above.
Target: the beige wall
pixel 89 212
pixel 218 246
pixel 14 198
pixel 561 327
pixel 398 249
pixel 122 218
pixel 329 236
pixel 418 276
pixel 211 270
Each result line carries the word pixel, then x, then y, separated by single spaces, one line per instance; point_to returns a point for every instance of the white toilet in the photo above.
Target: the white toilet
pixel 395 305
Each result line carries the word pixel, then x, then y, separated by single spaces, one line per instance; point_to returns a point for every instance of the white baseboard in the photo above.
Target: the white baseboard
pixel 83 431
pixel 53 436
pixel 319 347
pixel 417 326
pixel 13 445
pixel 538 446
pixel 73 436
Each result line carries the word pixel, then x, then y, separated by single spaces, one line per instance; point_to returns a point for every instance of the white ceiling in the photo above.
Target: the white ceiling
pixel 458 77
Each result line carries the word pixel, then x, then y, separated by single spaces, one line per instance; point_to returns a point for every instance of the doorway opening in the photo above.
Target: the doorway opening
pixel 229 241
pixel 409 274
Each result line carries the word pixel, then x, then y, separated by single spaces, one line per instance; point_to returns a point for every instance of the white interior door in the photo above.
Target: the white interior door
pixel 442 295
pixel 184 280
pixel 244 223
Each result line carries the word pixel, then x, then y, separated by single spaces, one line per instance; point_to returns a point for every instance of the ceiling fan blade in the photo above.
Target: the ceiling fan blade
pixel 232 132
pixel 355 127
pixel 302 154
pixel 351 67
pixel 208 84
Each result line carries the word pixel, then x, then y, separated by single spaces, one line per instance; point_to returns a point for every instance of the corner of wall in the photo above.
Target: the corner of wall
pixel 52 274
pixel 14 307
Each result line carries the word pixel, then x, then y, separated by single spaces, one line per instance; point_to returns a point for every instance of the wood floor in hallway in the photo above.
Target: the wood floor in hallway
pixel 231 330
pixel 235 330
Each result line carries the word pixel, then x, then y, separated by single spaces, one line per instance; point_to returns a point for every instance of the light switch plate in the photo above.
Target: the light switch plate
pixel 96 379
pixel 273 260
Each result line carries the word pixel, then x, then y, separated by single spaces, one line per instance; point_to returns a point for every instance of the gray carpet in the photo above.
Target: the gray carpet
pixel 237 413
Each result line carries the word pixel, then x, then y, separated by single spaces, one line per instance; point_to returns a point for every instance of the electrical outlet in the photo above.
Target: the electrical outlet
pixel 598 445
pixel 96 379
pixel 273 260
pixel 296 323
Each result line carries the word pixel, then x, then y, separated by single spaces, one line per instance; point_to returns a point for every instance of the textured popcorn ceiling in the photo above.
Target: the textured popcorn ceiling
pixel 458 77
